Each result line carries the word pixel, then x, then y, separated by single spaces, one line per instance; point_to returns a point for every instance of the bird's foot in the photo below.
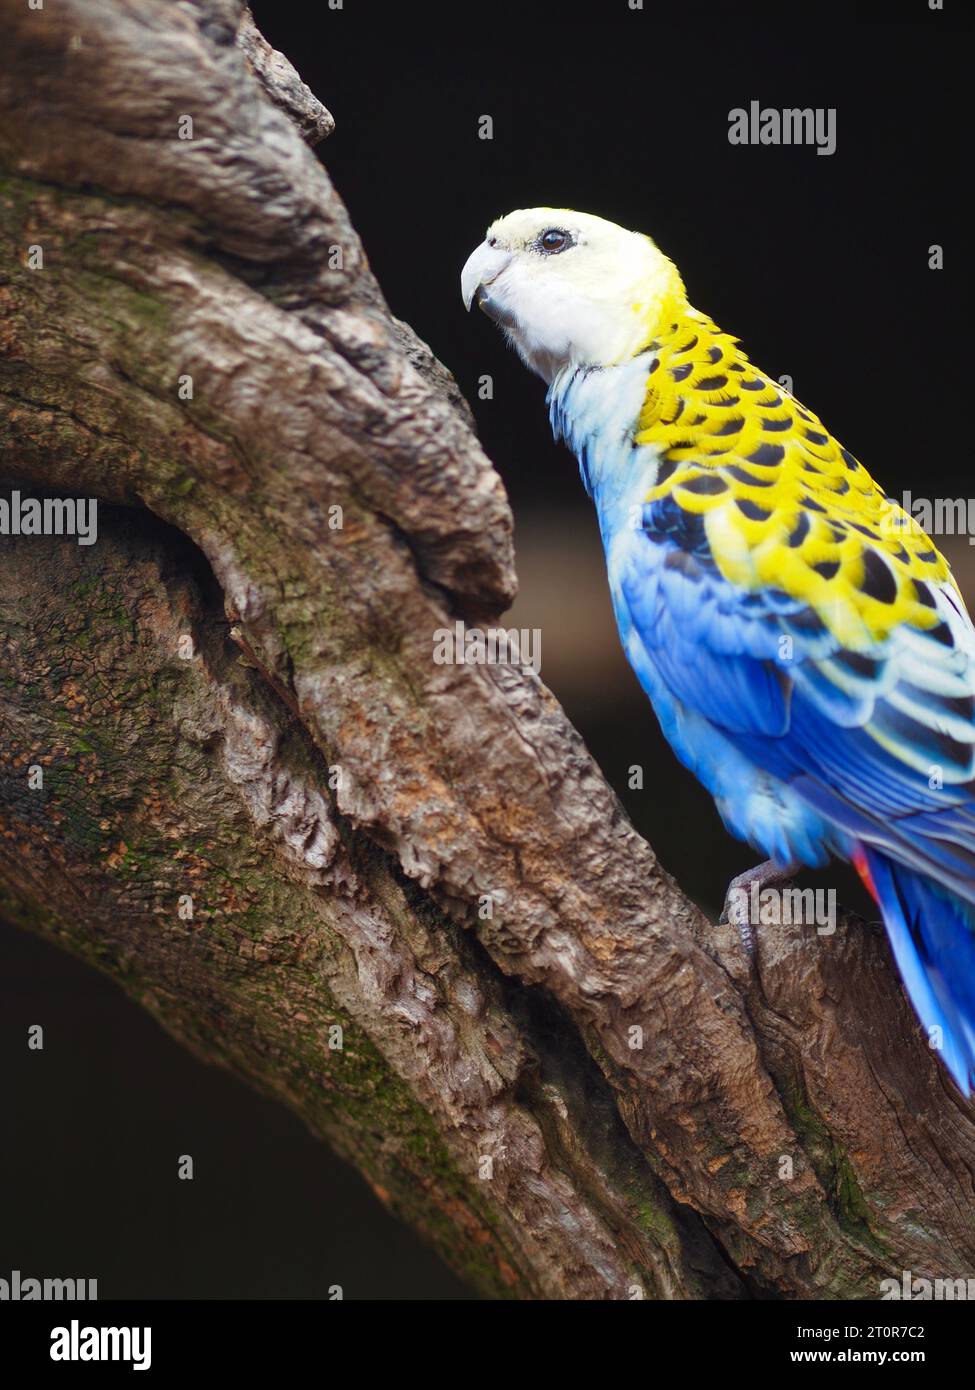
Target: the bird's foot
pixel 741 902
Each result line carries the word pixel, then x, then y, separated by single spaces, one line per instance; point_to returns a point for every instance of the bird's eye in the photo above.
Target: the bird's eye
pixel 554 240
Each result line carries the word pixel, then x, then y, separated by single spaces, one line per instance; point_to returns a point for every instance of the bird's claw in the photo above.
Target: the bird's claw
pixel 742 891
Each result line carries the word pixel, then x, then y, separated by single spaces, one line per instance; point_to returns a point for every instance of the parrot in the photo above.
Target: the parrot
pixel 804 646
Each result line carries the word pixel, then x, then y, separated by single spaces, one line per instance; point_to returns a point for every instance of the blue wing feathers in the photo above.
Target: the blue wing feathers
pixel 878 747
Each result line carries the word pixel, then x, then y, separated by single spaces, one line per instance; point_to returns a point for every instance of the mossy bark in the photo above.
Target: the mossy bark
pixel 166 818
pixel 202 340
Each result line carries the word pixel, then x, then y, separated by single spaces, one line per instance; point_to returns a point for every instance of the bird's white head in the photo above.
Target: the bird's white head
pixel 570 288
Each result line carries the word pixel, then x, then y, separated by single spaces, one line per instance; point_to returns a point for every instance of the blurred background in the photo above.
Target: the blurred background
pixel 819 264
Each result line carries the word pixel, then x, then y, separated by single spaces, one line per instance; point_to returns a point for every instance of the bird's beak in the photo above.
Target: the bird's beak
pixel 483 266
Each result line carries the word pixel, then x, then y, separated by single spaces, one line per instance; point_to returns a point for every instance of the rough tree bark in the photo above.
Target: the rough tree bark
pixel 337 806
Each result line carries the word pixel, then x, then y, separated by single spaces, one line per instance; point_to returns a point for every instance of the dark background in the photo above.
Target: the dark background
pixel 819 264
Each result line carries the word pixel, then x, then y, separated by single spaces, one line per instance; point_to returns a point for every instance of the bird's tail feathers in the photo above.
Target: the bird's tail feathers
pixel 932 934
